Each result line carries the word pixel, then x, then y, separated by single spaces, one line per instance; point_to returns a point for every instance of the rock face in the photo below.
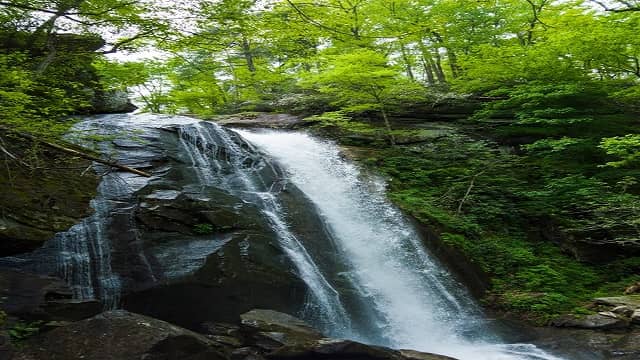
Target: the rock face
pixel 35 204
pixel 264 334
pixel 281 336
pixel 272 330
pixel 631 301
pixel 188 245
pixel 590 344
pixel 635 316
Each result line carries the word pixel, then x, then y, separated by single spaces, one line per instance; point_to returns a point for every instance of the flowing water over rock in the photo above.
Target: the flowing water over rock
pixel 207 228
pixel 418 304
pixel 210 148
pixel 222 227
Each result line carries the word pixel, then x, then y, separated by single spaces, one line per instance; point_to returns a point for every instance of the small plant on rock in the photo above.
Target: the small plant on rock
pixel 203 229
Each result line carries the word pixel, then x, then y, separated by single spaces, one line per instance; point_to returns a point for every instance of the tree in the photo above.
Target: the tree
pixel 363 80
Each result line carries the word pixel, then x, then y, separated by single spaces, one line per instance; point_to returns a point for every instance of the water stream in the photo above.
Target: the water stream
pixel 418 303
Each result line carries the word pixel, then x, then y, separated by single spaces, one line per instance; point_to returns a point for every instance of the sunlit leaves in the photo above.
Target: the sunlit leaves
pixel 626 148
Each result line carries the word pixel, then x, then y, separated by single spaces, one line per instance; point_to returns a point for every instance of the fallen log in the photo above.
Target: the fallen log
pixel 83 155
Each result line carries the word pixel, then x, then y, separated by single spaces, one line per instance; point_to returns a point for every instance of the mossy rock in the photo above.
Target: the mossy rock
pixel 39 202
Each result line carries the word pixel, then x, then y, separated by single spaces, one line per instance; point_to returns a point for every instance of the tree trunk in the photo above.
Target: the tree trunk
pixel 442 79
pixel 428 70
pixel 248 56
pixel 407 61
pixel 387 124
pixel 427 63
pixel 453 63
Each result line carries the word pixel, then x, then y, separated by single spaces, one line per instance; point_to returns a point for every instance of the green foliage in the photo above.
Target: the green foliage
pixel 203 229
pixel 341 120
pixel 23 330
pixel 547 104
pixel 36 103
pixel 551 145
pixel 513 198
pixel 625 147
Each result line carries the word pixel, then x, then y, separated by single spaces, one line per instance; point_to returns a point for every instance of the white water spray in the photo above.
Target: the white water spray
pixel 418 303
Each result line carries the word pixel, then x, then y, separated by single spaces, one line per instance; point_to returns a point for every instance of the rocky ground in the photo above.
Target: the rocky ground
pixel 122 335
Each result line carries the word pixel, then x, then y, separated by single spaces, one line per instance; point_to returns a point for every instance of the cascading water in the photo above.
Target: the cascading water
pixel 419 305
pixel 84 252
pixel 211 149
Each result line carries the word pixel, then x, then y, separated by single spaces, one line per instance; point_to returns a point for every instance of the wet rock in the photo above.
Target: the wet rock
pixel 175 211
pixel 112 102
pixel 632 301
pixel 181 248
pixel 346 349
pixel 220 329
pixel 622 310
pixel 260 120
pixel 282 336
pixel 633 289
pixel 635 317
pixel 276 322
pixel 37 297
pixel 591 344
pixel 601 321
pixel 270 330
pixel 417 355
pixel 120 335
pixel 263 334
pixel 232 280
pixel 246 353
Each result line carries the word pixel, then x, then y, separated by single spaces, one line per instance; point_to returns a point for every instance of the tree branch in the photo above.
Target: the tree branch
pixel 83 155
pixel 118 45
pixel 466 195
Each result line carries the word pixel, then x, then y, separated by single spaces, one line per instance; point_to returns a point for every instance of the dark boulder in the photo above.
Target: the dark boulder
pixel 120 335
pixel 112 102
pixel 282 336
pixel 600 321
pixel 348 350
pixel 36 297
pixel 230 281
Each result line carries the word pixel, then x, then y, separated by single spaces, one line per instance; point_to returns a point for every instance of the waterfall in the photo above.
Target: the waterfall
pixel 84 252
pixel 418 303
pixel 218 160
pixel 368 276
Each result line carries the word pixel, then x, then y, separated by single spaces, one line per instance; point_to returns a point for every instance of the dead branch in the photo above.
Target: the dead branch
pixel 83 155
pixel 466 195
pixel 12 156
